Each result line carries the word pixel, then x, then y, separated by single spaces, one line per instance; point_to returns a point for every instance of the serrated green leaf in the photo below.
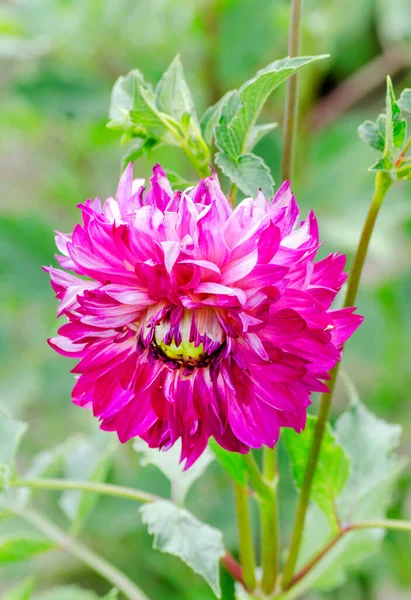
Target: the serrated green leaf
pixel 254 93
pixel 22 591
pixel 383 164
pixel 371 134
pixel 225 138
pixel 178 532
pixel 169 464
pixel 173 96
pixel 232 462
pixel 13 549
pixel 89 461
pixel 11 432
pixel 332 470
pixel 249 172
pixel 211 118
pixel 405 100
pixel 257 133
pixel 395 129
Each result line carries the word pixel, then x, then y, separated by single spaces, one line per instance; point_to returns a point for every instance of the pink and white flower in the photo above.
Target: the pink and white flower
pixel 191 319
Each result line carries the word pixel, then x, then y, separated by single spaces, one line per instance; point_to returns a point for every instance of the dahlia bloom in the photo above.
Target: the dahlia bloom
pixel 192 319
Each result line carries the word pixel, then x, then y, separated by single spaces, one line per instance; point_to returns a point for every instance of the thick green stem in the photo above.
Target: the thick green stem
pixel 382 185
pixel 291 104
pixel 269 526
pixel 108 571
pixel 246 537
pixel 87 486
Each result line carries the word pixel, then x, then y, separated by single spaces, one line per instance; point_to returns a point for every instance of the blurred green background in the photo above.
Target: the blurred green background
pixel 58 62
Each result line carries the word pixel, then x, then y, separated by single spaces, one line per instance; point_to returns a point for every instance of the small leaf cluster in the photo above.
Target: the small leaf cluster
pixel 390 134
pixel 148 118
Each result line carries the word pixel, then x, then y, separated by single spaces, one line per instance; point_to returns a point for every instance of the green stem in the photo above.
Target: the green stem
pixel 264 491
pixel 378 524
pixel 382 185
pixel 87 486
pixel 291 103
pixel 108 571
pixel 246 538
pixel 269 526
pixel 232 194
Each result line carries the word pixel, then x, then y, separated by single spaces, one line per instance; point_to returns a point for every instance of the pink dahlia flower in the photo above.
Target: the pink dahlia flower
pixel 192 319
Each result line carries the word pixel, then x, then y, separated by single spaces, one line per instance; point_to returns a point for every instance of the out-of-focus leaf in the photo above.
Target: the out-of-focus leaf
pixel 249 172
pixel 169 464
pixel 405 100
pixel 173 96
pixel 47 462
pixel 178 532
pixel 394 20
pixel 332 470
pixel 13 549
pixel 89 461
pixel 11 432
pixel 232 462
pixel 370 442
pixel 257 133
pixel 372 135
pixel 22 591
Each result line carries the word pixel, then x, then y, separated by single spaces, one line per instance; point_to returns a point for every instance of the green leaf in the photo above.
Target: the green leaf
pixel 332 470
pixel 254 93
pixel 139 147
pixel 405 100
pixel 371 444
pixel 22 591
pixel 169 464
pixel 374 471
pixel 211 118
pixel 178 532
pixel 13 549
pixel 173 96
pixel 395 127
pixel 257 133
pixel 249 172
pixel 383 164
pixel 372 135
pixel 232 462
pixel 89 461
pixel 226 139
pixel 132 105
pixel 11 432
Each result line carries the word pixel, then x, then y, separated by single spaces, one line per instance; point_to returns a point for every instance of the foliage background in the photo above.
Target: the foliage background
pixel 58 62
